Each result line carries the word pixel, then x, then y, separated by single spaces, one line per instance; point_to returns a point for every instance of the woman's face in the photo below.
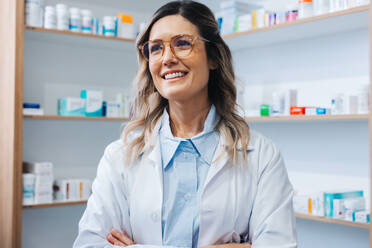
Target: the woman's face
pixel 191 84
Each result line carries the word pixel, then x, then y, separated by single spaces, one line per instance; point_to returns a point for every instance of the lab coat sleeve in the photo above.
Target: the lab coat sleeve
pixel 107 206
pixel 272 222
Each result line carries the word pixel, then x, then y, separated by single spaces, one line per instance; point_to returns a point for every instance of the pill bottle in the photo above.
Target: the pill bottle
pixel 108 26
pixel 276 106
pixel 321 7
pixel 75 20
pixel 34 13
pixel 126 26
pixel 338 5
pixel 62 17
pixel 363 100
pixel 28 185
pixel 305 8
pixel 86 21
pixel 50 18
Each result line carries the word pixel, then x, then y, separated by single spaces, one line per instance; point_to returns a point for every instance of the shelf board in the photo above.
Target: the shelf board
pixel 55 31
pixel 78 39
pixel 79 118
pixel 332 220
pixel 341 21
pixel 55 204
pixel 308 118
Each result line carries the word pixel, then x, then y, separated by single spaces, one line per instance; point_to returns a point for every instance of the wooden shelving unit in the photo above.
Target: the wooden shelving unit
pixel 12 40
pixel 55 204
pixel 332 220
pixel 73 118
pixel 62 32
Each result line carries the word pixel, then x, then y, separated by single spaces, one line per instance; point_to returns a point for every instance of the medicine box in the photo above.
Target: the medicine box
pixel 93 102
pixel 330 196
pixel 71 106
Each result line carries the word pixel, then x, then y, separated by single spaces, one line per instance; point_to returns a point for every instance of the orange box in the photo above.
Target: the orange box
pixel 297 110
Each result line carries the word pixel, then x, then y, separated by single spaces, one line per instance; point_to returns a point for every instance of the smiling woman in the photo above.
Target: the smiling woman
pixel 188 172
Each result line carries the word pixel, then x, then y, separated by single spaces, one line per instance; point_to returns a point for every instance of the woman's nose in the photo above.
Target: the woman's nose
pixel 169 57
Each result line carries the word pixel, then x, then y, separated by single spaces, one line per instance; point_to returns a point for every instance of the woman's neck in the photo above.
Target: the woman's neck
pixel 187 120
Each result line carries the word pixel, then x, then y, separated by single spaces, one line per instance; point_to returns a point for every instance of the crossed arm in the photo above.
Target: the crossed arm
pixel 122 239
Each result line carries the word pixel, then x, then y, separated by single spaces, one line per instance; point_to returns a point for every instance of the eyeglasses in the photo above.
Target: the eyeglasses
pixel 181 46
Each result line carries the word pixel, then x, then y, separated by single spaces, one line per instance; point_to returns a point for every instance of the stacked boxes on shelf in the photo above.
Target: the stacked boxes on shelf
pixel 37 183
pixel 347 205
pixel 91 104
pixel 285 103
pixel 72 189
pixel 240 15
pixel 38 186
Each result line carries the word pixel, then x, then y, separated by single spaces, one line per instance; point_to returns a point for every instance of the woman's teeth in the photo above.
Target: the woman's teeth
pixel 174 75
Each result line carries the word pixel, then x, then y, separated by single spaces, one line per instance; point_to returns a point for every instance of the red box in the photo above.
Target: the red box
pixel 297 110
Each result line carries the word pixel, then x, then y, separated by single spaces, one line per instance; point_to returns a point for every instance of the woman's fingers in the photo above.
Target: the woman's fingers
pixel 114 241
pixel 122 237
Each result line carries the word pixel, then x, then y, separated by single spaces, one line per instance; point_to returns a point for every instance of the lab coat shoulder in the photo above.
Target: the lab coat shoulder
pixel 264 152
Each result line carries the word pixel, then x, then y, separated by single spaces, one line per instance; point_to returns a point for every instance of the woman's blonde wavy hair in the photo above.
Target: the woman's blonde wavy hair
pixel 148 105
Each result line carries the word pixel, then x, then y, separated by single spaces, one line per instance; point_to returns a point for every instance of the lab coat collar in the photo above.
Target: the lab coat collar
pixel 207 136
pixel 154 147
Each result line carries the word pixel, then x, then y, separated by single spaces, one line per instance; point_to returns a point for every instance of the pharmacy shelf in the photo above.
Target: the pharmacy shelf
pixel 77 38
pixel 332 220
pixel 249 119
pixel 336 22
pixel 77 118
pixel 308 118
pixel 55 204
pixel 341 21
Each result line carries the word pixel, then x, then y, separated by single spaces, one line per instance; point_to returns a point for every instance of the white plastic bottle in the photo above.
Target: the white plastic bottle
pixel 305 8
pixel 50 18
pixel 62 17
pixel 363 100
pixel 108 27
pixel 75 20
pixel 86 21
pixel 125 26
pixel 34 13
pixel 321 7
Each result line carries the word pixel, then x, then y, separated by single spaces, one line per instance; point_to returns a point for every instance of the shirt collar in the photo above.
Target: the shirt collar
pixel 208 136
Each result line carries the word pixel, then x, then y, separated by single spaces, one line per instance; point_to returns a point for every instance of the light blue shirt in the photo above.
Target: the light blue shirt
pixel 185 166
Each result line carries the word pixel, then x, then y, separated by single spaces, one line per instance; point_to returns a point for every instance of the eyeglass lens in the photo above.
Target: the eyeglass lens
pixel 180 45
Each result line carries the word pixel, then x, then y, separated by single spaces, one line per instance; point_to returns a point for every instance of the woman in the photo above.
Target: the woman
pixel 188 172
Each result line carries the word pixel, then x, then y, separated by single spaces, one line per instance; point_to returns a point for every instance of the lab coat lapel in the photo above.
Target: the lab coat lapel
pixel 220 159
pixel 154 159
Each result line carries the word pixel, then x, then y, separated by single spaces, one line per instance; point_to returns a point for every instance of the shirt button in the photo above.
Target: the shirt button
pixel 187 196
pixel 155 217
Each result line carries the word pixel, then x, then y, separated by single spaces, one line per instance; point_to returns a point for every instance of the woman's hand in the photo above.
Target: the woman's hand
pixel 230 245
pixel 119 239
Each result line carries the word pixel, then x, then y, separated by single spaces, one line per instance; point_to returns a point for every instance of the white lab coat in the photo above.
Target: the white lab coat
pixel 251 203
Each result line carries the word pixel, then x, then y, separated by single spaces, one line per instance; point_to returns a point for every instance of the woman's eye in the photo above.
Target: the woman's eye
pixel 155 48
pixel 183 43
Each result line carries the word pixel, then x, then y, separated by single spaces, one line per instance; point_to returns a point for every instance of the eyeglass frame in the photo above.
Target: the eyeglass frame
pixel 194 38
